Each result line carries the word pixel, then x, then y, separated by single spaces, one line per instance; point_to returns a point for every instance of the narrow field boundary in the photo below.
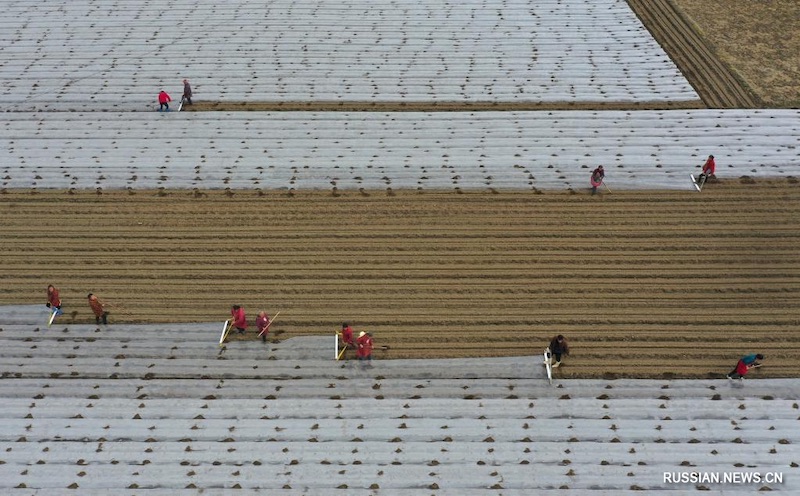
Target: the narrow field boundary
pixel 417 106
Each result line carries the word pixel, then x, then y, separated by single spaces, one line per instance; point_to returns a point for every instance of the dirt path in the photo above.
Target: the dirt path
pixel 644 283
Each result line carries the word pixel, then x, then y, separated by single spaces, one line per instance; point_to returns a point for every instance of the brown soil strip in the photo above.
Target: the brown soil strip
pixel 645 284
pixel 714 81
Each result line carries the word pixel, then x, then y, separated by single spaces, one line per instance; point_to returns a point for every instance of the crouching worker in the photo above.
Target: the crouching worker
pixel 744 365
pixel 558 347
pixel 98 308
pixel 708 171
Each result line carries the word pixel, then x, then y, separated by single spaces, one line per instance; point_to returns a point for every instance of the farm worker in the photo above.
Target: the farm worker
pixel 597 178
pixel 163 101
pixel 347 335
pixel 558 347
pixel 364 351
pixel 708 169
pixel 262 325
pixel 53 300
pixel 98 308
pixel 187 92
pixel 239 318
pixel 744 365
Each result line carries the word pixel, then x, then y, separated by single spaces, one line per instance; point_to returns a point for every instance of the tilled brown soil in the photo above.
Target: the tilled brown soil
pixel 716 83
pixel 758 40
pixel 643 283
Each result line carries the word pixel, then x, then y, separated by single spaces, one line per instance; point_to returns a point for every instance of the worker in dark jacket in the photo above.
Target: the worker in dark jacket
pixel 558 347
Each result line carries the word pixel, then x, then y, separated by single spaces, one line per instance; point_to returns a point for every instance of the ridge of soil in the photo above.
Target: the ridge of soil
pixel 644 284
pixel 716 83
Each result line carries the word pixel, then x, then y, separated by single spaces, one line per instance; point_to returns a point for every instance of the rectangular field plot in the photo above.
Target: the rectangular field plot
pixel 104 55
pixel 405 150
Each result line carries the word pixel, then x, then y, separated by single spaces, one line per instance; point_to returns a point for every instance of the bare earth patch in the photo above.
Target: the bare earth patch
pixel 759 40
pixel 643 283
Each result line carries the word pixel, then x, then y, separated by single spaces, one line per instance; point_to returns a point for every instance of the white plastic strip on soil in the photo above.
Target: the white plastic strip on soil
pixel 109 55
pixel 307 150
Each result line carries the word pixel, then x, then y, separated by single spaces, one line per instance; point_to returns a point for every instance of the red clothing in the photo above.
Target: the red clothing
pixel 239 318
pixel 262 323
pixel 163 97
pixel 709 167
pixel 364 346
pixel 347 336
pixel 741 368
pixel 97 306
pixel 597 177
pixel 52 298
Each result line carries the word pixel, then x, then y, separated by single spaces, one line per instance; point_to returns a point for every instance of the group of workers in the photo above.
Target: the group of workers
pixel 164 98
pixel 559 347
pixel 708 169
pixel 239 321
pixel 363 344
pixel 97 306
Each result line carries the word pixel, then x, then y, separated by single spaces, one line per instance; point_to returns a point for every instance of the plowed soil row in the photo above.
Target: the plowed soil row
pixel 643 283
pixel 715 82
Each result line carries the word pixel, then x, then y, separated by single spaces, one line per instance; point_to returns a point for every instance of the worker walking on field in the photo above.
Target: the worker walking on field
pixel 744 365
pixel 239 318
pixel 163 101
pixel 98 308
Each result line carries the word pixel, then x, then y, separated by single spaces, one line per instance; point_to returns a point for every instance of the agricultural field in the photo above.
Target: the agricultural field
pixel 646 284
pixel 634 278
pixel 758 40
pixel 419 171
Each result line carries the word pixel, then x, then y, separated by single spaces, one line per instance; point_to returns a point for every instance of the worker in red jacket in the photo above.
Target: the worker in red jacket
pixel 597 178
pixel 239 318
pixel 262 325
pixel 347 335
pixel 708 170
pixel 98 308
pixel 163 101
pixel 53 300
pixel 364 351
